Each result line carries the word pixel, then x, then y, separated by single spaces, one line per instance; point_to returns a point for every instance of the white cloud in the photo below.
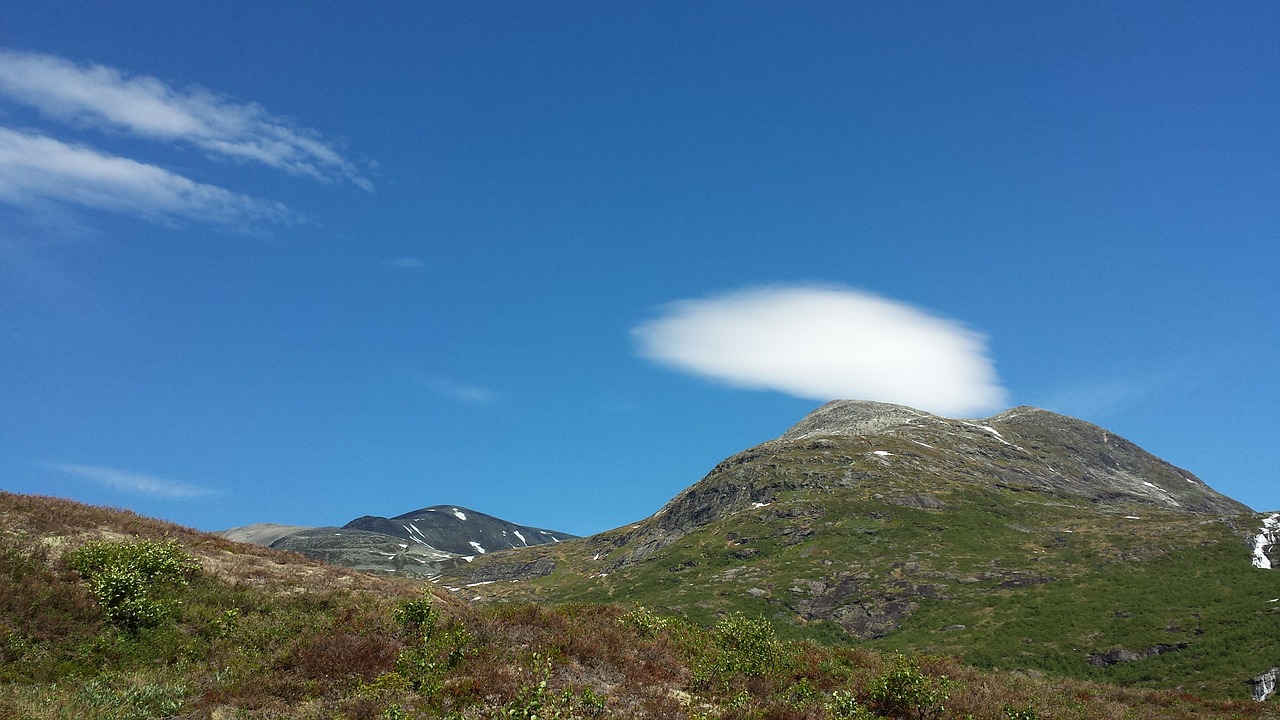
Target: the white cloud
pixel 147 107
pixel 827 343
pixel 35 168
pixel 135 483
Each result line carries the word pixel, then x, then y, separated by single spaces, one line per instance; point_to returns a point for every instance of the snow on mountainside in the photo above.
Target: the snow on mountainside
pixel 420 543
pixel 1265 544
pixel 457 530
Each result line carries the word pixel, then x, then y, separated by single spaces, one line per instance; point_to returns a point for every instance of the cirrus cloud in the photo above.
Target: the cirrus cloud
pixel 826 343
pixel 35 168
pixel 147 107
pixel 136 483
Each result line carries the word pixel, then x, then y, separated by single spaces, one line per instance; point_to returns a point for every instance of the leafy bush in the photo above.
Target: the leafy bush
pixel 132 580
pixel 905 691
pixel 417 614
pixel 843 705
pixel 749 644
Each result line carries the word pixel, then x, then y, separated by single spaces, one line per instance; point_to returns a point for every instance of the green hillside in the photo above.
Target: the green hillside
pixel 1027 542
pixel 220 630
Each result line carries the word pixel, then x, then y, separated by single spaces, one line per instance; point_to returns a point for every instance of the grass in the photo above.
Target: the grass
pixel 1040 581
pixel 256 634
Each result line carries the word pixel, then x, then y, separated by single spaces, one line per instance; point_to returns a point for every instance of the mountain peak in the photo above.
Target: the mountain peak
pixel 853 417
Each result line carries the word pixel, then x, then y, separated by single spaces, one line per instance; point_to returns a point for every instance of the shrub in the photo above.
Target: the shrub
pixel 749 644
pixel 132 580
pixel 905 691
pixel 843 705
pixel 416 615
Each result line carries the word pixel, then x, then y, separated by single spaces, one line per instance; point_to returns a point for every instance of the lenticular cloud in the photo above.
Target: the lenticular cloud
pixel 826 344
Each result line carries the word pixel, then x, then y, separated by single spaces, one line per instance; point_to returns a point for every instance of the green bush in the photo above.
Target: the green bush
pixel 843 705
pixel 133 581
pixel 749 644
pixel 905 691
pixel 416 615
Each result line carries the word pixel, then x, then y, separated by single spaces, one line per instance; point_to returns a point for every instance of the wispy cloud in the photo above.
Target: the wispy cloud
pixel 98 96
pixel 136 483
pixel 1099 398
pixel 462 392
pixel 35 168
pixel 826 343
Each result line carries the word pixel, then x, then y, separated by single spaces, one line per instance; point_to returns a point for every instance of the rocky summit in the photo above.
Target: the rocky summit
pixel 1028 540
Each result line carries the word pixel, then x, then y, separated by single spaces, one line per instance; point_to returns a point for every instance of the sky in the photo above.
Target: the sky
pixel 554 261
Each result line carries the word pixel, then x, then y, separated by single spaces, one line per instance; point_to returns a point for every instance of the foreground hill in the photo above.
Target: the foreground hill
pixel 416 544
pixel 249 632
pixel 1026 541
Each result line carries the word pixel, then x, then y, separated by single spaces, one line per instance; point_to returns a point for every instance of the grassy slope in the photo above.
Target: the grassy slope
pixel 1040 581
pixel 263 634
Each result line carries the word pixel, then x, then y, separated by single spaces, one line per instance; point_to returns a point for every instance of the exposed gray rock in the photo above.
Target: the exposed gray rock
pixel 458 530
pixel 262 533
pixel 367 552
pixel 1121 655
pixel 514 569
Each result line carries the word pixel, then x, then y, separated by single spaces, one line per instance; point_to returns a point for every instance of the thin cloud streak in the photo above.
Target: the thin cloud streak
pixel 824 343
pixel 136 483
pixel 147 107
pixel 35 168
pixel 462 392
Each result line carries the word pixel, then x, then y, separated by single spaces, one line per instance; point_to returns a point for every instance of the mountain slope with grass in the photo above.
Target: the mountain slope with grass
pixel 1027 541
pixel 105 614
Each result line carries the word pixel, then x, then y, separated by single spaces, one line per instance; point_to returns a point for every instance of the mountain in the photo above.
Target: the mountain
pixel 1028 540
pixel 418 544
pixel 219 629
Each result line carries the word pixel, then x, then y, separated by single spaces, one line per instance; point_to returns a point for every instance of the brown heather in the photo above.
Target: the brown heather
pixel 263 634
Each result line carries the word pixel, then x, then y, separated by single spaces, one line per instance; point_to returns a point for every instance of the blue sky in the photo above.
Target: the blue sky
pixel 554 261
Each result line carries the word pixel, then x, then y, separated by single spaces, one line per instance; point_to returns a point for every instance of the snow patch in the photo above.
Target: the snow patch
pixel 1266 538
pixel 882 453
pixel 993 431
pixel 1132 517
pixel 459 514
pixel 482 582
pixel 760 505
pixel 476 545
pixel 517 532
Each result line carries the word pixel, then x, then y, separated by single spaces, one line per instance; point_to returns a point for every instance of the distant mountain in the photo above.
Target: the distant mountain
pixel 457 530
pixel 420 543
pixel 1028 540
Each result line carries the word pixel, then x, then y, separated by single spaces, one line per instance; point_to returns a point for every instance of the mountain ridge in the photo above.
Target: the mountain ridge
pixel 420 543
pixel 876 523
